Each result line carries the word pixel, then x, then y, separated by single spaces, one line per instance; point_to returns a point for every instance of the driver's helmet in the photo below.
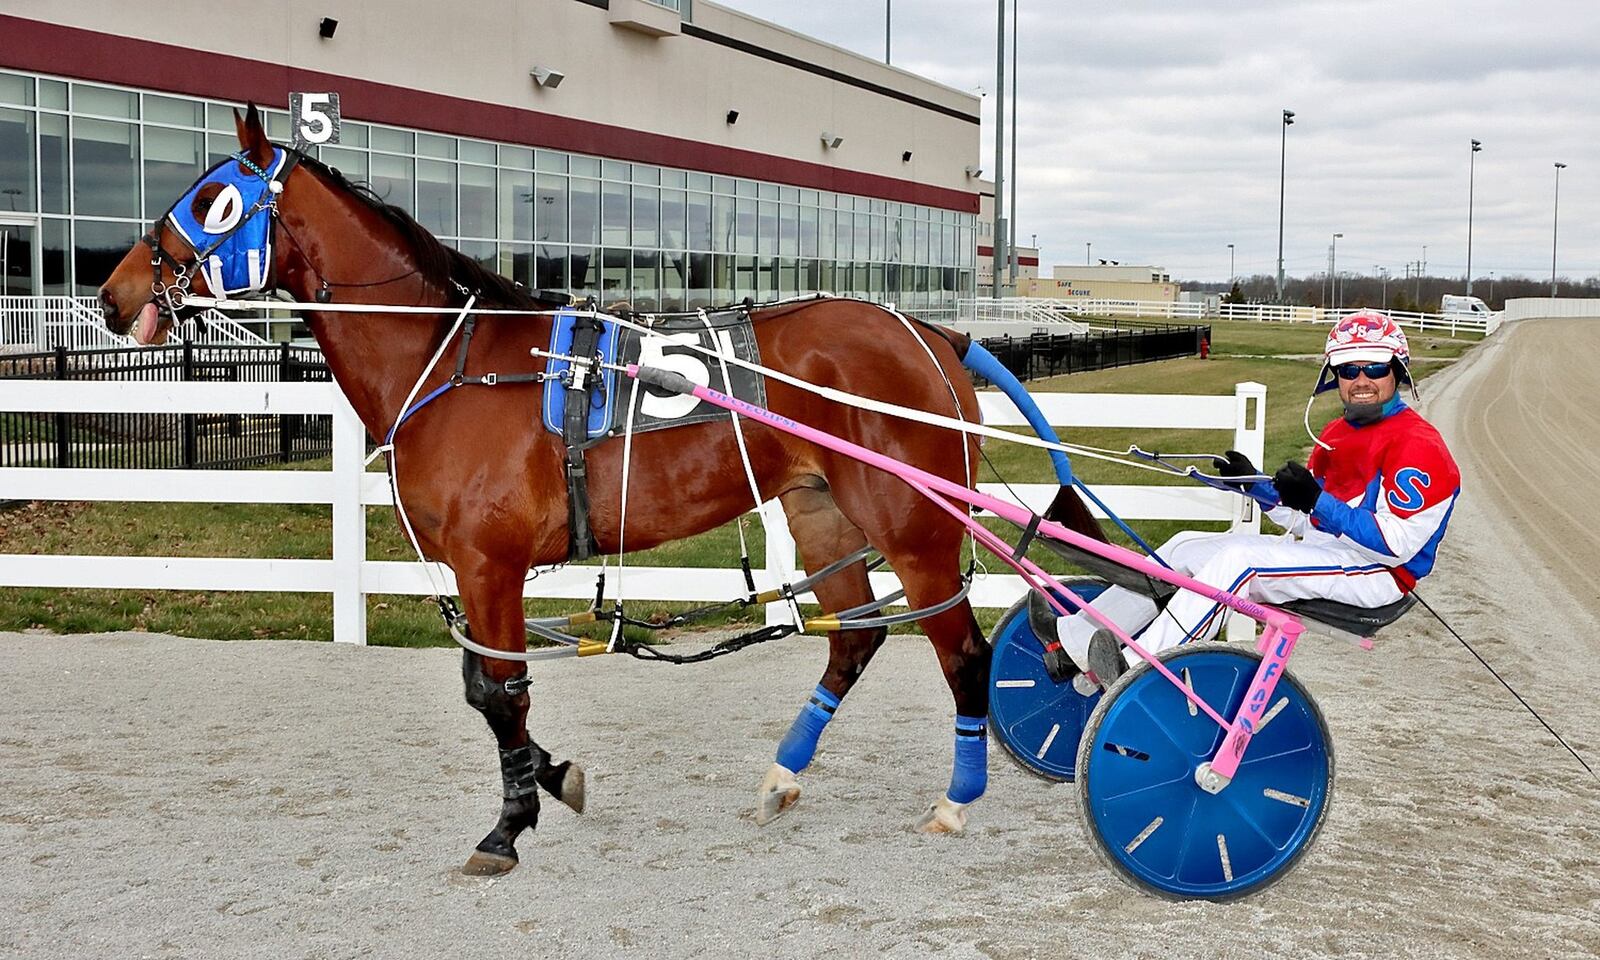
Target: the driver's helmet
pixel 1366 336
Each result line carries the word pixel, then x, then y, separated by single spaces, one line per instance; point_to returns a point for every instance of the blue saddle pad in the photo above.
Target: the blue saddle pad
pixel 678 343
pixel 602 402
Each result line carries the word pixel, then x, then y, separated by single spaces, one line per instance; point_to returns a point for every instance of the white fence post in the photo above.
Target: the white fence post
pixel 349 523
pixel 1249 438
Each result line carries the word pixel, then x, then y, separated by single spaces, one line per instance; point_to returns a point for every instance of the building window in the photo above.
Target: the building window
pixel 105 160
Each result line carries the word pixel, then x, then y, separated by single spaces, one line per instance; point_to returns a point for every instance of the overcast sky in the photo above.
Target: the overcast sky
pixel 1150 128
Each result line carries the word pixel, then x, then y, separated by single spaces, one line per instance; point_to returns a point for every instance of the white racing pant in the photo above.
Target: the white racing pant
pixel 1267 569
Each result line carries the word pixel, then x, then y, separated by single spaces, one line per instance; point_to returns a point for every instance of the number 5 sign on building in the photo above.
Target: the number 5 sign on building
pixel 315 117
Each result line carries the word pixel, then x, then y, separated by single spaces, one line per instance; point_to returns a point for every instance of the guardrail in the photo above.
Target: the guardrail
pixel 349 488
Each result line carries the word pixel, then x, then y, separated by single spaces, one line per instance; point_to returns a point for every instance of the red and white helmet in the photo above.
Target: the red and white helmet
pixel 1366 336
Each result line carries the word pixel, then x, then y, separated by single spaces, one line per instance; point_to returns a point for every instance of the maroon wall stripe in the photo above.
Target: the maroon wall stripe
pixel 1021 261
pixel 90 55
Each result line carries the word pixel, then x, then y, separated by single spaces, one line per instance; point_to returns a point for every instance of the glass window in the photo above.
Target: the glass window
pixel 17 160
pixel 476 151
pixel 432 145
pixel 520 158
pixel 746 188
pixel 585 214
pixel 614 219
pixel 516 262
pixel 219 118
pixel 183 113
pixel 279 129
pixel 483 251
pixel 722 218
pixel 788 277
pixel 516 206
pixel 674 178
pixel 550 270
pixel 550 207
pixel 825 234
pixel 646 218
pixel 583 276
pixel 582 166
pixel 878 240
pixel 863 237
pixel 614 284
pixel 788 230
pixel 789 194
pixel 767 191
pixel 744 278
pixel 699 286
pixel 845 248
pixel 173 161
pixel 700 181
pixel 15 88
pixel 674 280
pixel 646 280
pixel 722 185
pixel 808 231
pixel 550 162
pixel 394 141
pixel 106 170
pixel 391 180
pixel 477 201
pixel 52 94
pixel 351 163
pixel 100 247
pixel 810 276
pixel 766 228
pixel 647 175
pixel 103 102
pixel 436 196
pixel 767 278
pixel 919 247
pixel 891 283
pixel 699 227
pixel 875 283
pixel 722 278
pixel 672 219
pixel 57 262
pixel 891 248
pixel 53 178
pixel 353 134
pixel 220 146
pixel 614 170
pixel 745 226
pixel 825 277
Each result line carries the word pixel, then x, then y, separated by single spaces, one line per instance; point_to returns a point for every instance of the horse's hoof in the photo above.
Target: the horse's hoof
pixel 482 864
pixel 945 816
pixel 779 791
pixel 572 788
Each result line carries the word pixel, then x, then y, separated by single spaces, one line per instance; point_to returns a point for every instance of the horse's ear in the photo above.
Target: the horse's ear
pixel 253 136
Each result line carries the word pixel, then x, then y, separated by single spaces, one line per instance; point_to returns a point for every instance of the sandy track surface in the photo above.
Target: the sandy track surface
pixel 169 797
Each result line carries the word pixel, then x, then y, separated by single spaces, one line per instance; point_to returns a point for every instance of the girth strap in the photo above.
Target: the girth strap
pixel 586 331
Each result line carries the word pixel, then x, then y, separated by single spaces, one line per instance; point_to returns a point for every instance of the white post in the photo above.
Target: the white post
pixel 779 544
pixel 1249 438
pixel 349 523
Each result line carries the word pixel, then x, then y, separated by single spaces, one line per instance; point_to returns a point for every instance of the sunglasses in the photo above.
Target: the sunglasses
pixel 1374 371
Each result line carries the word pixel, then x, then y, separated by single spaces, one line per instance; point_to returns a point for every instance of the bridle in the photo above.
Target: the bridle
pixel 173 294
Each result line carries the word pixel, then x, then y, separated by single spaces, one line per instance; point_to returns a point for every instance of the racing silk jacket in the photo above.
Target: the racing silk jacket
pixel 1387 491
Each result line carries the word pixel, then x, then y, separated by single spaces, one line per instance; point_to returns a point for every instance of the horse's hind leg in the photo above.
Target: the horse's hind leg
pixel 823 535
pixel 498 689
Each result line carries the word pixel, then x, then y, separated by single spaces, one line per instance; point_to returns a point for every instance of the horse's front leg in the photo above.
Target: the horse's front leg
pixel 498 689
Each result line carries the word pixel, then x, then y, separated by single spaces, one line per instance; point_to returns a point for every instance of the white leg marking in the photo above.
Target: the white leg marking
pixel 1051 738
pixel 1143 835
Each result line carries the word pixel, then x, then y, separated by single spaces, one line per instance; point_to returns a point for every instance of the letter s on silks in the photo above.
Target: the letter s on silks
pixel 799 745
pixel 233 244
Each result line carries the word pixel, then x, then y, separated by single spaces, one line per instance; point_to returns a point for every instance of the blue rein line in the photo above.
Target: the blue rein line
pixel 437 392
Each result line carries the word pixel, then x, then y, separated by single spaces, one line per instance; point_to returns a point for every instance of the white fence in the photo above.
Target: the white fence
pixel 1047 312
pixel 349 488
pixel 44 323
pixel 1265 312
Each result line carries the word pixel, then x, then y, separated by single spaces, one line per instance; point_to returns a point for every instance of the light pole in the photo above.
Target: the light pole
pixel 1011 239
pixel 1231 274
pixel 1555 220
pixel 1283 158
pixel 1000 226
pixel 1491 287
pixel 1333 269
pixel 1384 273
pixel 1472 162
pixel 1088 246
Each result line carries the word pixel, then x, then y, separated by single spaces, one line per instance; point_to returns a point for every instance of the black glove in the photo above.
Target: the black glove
pixel 1235 465
pixel 1297 488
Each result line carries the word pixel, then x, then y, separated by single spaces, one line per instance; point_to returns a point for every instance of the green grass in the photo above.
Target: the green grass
pixel 1241 351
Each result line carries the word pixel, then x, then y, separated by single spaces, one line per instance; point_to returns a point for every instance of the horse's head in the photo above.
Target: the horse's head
pixel 215 240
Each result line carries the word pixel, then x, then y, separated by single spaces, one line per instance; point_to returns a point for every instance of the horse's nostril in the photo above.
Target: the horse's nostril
pixel 108 304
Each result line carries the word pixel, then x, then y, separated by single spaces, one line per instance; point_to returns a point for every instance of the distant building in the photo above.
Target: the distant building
pixel 1110 281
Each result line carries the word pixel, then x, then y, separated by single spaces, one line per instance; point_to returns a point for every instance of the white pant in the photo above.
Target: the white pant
pixel 1267 569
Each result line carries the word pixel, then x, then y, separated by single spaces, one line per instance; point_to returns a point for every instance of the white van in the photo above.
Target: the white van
pixel 1453 305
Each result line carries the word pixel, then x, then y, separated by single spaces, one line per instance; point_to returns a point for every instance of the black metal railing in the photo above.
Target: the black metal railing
pixel 164 440
pixel 1050 354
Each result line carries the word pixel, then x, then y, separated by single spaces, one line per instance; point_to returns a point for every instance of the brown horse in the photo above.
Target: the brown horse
pixel 484 486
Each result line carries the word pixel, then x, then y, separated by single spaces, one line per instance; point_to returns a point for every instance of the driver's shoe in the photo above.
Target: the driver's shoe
pixel 1105 658
pixel 1042 620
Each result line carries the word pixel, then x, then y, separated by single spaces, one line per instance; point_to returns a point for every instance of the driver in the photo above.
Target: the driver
pixel 1363 521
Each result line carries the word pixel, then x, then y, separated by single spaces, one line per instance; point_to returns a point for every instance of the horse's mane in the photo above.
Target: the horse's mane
pixel 436 262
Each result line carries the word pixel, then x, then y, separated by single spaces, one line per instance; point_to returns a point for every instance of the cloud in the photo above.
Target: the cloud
pixel 1152 129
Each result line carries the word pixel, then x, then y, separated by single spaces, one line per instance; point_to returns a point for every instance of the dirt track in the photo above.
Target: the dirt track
pixel 171 797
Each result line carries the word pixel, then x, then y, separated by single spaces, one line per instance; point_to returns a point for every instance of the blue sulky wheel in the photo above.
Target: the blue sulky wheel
pixel 1036 720
pixel 1148 817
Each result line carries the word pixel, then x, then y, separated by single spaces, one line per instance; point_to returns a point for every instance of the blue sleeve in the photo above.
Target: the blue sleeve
pixel 1342 520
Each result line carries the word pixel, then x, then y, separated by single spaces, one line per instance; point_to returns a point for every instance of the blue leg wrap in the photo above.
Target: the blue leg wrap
pixel 971 774
pixel 800 743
